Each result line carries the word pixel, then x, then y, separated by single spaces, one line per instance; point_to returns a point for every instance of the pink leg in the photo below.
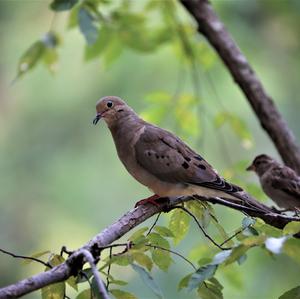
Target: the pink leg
pixel 152 200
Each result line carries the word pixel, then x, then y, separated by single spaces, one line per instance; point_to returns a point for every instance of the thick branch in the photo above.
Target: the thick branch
pixel 271 120
pixel 113 232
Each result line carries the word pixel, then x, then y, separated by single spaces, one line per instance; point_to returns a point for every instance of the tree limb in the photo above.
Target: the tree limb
pixel 116 230
pixel 270 118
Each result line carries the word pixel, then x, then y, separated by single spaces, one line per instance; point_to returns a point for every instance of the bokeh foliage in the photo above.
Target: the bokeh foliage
pixel 124 36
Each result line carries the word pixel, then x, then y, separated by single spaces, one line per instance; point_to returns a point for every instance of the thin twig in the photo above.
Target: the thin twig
pixel 173 252
pixel 154 223
pixel 201 228
pixel 101 287
pixel 234 235
pixel 26 258
pixel 109 267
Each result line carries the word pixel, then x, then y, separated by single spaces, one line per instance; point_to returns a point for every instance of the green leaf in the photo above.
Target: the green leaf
pixel 183 283
pixel 54 291
pixel 161 258
pixel 85 294
pixel 121 260
pixel 61 5
pixel 96 49
pixel 30 58
pixel 236 254
pixel 291 294
pixel 72 282
pixel 118 282
pixel 73 17
pixel 143 260
pixel 86 21
pixel 200 275
pixel 292 248
pixel 222 232
pixel 119 294
pixel 36 255
pixel 292 228
pixel 148 280
pixel 83 278
pixel 209 291
pixel 179 224
pixel 156 239
pixel 137 234
pixel 56 260
pixel 164 231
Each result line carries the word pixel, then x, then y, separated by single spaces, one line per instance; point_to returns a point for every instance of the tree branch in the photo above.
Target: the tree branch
pixel 270 118
pixel 127 222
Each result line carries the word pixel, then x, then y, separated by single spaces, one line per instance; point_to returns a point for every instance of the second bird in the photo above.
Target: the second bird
pixel 280 182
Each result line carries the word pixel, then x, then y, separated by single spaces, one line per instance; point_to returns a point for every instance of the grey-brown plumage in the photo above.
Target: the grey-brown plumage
pixel 160 160
pixel 279 182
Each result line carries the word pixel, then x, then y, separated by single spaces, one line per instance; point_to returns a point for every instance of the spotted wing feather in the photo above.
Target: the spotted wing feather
pixel 170 159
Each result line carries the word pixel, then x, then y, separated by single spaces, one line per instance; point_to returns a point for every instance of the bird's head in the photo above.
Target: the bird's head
pixel 111 108
pixel 261 164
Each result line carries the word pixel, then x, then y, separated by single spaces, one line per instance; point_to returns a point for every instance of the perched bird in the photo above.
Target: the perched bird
pixel 279 182
pixel 160 160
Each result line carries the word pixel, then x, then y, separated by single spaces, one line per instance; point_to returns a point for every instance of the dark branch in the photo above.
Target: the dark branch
pixel 270 118
pixel 26 258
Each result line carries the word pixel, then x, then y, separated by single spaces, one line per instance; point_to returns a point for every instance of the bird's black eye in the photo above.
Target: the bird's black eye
pixel 109 104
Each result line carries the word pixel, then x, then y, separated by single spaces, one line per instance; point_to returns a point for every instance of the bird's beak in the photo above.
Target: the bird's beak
pixel 97 118
pixel 251 168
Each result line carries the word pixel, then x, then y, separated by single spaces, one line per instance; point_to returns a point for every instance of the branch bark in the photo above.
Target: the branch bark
pixel 116 230
pixel 270 118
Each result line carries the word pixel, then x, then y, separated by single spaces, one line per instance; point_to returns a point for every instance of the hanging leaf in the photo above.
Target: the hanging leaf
pixel 96 49
pixel 136 235
pixel 236 254
pixel 156 239
pixel 72 282
pixel 161 258
pixel 179 224
pixel 143 260
pixel 148 280
pixel 291 294
pixel 164 231
pixel 292 248
pixel 54 291
pixel 61 5
pixel 85 294
pixel 292 228
pixel 87 25
pixel 31 57
pixel 209 291
pixel 200 275
pixel 183 283
pixel 119 294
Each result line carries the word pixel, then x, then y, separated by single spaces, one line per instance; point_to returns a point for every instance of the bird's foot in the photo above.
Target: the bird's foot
pixel 155 200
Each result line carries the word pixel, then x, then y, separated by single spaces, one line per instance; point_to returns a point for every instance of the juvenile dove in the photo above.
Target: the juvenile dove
pixel 279 182
pixel 160 160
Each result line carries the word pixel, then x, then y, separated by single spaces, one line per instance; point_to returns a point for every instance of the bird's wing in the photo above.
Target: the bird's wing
pixel 168 158
pixel 286 179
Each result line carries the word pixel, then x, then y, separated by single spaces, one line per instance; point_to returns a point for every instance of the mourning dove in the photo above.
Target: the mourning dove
pixel 279 182
pixel 160 160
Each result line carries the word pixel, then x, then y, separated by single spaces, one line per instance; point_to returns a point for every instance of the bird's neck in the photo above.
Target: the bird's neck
pixel 125 129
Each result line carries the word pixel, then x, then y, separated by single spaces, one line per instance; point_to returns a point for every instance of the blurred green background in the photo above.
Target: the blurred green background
pixel 60 179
